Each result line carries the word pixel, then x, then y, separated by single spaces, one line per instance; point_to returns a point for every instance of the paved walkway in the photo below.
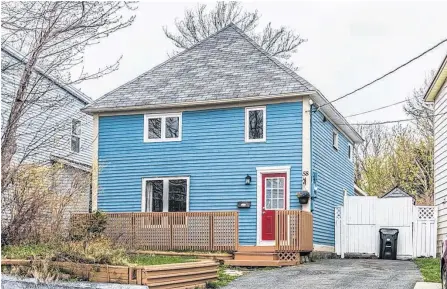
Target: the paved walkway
pixel 335 274
pixel 427 285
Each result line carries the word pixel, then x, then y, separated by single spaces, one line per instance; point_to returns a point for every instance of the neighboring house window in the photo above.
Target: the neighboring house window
pixel 166 194
pixel 350 153
pixel 75 135
pixel 255 124
pixel 163 127
pixel 335 139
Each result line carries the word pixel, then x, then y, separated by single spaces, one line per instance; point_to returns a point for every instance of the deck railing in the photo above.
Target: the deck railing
pixel 293 231
pixel 201 231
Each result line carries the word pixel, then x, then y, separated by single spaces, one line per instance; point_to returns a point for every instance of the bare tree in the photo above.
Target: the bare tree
pixel 201 22
pixel 53 37
pixel 421 111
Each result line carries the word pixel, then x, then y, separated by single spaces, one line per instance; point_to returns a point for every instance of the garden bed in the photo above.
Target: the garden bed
pixel 190 274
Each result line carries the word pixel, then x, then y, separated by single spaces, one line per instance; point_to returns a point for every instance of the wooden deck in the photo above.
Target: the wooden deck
pixel 259 256
pixel 210 231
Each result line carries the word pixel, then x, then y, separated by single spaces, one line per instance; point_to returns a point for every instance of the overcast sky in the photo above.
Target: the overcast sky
pixel 349 44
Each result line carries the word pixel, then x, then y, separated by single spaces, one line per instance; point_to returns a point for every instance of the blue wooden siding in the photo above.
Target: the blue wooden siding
pixel 335 174
pixel 212 152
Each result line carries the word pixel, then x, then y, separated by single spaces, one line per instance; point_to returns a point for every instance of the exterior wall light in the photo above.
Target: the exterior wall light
pixel 247 180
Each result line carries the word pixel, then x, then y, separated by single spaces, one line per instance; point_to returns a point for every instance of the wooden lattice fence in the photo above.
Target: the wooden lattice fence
pixel 202 231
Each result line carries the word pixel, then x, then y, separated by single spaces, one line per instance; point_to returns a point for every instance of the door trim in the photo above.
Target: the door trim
pixel 259 172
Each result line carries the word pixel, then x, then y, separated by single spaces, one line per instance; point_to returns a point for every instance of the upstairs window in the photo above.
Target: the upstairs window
pixel 163 127
pixel 255 124
pixel 335 139
pixel 350 153
pixel 75 135
pixel 168 194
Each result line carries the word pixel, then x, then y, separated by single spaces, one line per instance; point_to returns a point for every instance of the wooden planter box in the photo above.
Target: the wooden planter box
pixel 180 275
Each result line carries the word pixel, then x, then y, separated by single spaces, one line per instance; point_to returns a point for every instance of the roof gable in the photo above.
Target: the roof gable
pixel 226 65
pixel 396 193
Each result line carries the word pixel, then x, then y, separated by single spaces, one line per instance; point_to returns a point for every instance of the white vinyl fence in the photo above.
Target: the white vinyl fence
pixel 357 226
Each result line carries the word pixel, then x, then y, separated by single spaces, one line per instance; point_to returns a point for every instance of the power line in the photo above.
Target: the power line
pixel 376 109
pixel 393 121
pixel 386 74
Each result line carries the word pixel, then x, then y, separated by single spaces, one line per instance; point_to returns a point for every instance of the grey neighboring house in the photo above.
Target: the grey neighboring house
pixel 54 130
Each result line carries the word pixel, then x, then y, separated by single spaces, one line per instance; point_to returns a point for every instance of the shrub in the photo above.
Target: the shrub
pixel 88 228
pixel 99 251
pixel 34 208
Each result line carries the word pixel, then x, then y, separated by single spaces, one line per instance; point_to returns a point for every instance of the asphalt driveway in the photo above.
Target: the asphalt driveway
pixel 335 274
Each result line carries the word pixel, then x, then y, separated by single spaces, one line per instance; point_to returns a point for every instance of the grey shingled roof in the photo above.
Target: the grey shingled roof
pixel 226 65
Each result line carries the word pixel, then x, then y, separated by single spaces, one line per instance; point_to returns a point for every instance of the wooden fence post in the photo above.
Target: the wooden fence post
pixel 211 232
pixel 132 240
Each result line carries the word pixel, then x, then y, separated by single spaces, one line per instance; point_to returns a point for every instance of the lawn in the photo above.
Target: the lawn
pixel 147 260
pixel 53 252
pixel 430 269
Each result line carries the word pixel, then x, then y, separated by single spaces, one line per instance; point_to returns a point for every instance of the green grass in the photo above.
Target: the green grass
pixel 223 279
pixel 142 260
pixel 45 251
pixel 26 251
pixel 430 269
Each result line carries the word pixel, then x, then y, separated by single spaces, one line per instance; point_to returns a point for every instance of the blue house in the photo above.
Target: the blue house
pixel 223 126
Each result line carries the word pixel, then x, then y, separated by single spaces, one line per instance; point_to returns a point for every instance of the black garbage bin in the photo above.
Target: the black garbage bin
pixel 388 243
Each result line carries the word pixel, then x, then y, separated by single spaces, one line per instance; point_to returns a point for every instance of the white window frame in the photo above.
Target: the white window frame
pixel 163 127
pixel 350 152
pixel 264 124
pixel 335 139
pixel 165 192
pixel 79 136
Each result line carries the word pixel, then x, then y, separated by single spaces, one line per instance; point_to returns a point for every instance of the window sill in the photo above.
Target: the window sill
pixel 255 140
pixel 162 140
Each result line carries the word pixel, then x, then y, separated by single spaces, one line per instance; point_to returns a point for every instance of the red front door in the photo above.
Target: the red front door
pixel 273 198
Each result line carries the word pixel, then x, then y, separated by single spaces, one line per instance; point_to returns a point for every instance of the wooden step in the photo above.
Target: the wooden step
pixel 256 249
pixel 260 263
pixel 261 256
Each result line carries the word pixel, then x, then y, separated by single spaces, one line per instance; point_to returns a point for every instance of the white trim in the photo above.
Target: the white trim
pixel 350 152
pixel 335 140
pixel 165 192
pixel 95 163
pixel 324 248
pixel 306 151
pixel 162 117
pixel 198 105
pixel 259 172
pixel 264 124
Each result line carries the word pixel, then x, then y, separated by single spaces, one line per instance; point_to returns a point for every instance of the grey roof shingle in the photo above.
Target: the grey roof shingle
pixel 226 65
